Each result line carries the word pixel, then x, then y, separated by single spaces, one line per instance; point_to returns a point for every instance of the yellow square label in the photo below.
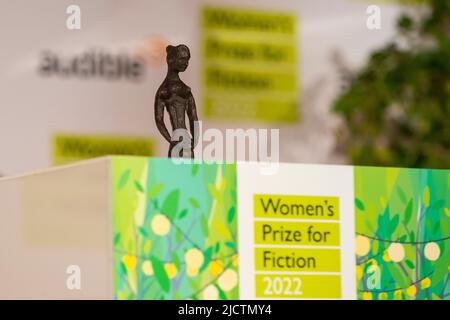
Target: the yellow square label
pixel 298 286
pixel 294 259
pixel 296 207
pixel 297 233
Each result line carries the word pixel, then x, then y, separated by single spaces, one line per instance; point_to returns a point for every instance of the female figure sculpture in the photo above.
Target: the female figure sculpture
pixel 176 97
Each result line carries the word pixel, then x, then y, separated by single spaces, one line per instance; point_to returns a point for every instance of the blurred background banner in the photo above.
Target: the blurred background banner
pixel 250 65
pixel 304 67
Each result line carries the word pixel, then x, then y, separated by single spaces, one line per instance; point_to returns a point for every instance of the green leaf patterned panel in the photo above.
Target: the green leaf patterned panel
pixel 175 230
pixel 402 233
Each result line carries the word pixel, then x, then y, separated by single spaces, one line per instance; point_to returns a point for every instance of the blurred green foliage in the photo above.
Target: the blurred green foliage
pixel 397 109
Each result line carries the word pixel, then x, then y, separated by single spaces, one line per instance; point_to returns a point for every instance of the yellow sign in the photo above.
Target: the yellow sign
pixel 250 65
pixel 296 207
pixel 293 259
pixel 297 233
pixel 297 246
pixel 298 286
pixel 69 148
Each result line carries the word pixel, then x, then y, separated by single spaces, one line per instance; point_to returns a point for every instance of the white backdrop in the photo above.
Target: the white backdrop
pixel 33 108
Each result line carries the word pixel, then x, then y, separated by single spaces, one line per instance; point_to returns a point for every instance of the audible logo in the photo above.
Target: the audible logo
pixel 92 64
